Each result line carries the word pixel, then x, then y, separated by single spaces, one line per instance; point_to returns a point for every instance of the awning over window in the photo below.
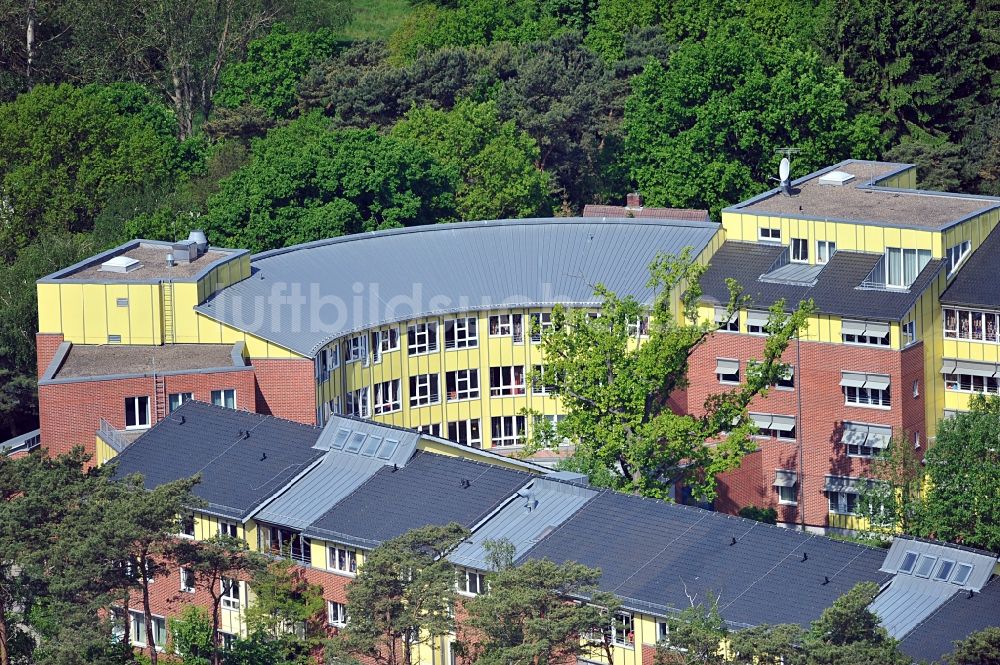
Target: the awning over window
pixel 783 423
pixel 975 369
pixel 854 434
pixel 720 315
pixel 785 478
pixel 852 379
pixel 948 366
pixel 755 318
pixel 951 413
pixel 761 420
pixel 726 366
pixel 876 329
pixel 862 380
pixel 879 381
pixel 848 327
pixel 879 436
pixel 843 484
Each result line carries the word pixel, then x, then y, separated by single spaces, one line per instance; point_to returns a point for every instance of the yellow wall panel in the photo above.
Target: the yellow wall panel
pixel 71 305
pixel 49 308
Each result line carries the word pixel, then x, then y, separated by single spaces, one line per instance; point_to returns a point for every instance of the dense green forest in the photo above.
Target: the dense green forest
pixel 269 122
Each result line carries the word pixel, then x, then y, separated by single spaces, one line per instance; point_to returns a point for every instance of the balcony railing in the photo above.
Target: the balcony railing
pixel 111 436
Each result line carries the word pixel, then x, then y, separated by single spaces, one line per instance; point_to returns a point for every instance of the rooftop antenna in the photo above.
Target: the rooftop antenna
pixel 785 169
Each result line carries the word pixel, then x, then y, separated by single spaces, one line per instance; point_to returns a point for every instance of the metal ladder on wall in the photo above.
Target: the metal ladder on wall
pixel 159 397
pixel 168 313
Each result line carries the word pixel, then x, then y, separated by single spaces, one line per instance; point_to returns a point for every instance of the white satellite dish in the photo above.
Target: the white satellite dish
pixel 784 169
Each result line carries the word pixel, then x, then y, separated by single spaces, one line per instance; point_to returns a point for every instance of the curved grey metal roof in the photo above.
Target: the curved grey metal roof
pixel 304 296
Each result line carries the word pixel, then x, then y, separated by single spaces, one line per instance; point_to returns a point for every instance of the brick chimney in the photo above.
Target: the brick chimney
pixel 633 200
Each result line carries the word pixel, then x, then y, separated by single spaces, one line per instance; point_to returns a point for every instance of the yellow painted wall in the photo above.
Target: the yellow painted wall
pixel 88 313
pixel 906 179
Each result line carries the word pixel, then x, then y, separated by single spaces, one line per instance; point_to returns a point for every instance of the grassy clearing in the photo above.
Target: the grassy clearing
pixel 376 19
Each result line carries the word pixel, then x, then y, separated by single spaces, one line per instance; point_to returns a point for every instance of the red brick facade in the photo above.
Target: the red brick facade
pixel 286 388
pixel 71 412
pixel 818 404
pixel 45 349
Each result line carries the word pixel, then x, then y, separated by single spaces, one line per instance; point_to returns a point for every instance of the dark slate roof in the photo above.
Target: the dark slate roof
pixel 428 490
pixel 835 290
pixel 955 620
pixel 202 438
pixel 653 554
pixel 976 283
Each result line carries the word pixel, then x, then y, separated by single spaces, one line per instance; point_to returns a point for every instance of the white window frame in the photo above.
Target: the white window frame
pixel 462 384
pixel 825 249
pixel 956 255
pixel 872 398
pixel 969 383
pixel 461 333
pixel 137 630
pixel 800 250
pixel 466 432
pixel 227 528
pixel 384 341
pixel 512 430
pixel 221 396
pixel 639 328
pixel 622 635
pixel 425 389
pixel 184 522
pixel 540 387
pixel 342 560
pixel 909 330
pixel 432 429
pixel 140 416
pixel 336 614
pixel 358 403
pixel 729 379
pixel 470 582
pixel 768 234
pixel 355 349
pixel 421 338
pixel 791 490
pixel 507 381
pixel 386 397
pixel 843 503
pixel 174 400
pixel 231 594
pixel 914 260
pixel 541 320
pixel 507 324
pixel 187 580
pixel 963 325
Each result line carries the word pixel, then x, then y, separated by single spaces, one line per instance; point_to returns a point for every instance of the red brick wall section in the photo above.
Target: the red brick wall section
pixel 912 402
pixel 45 349
pixel 70 413
pixel 286 388
pixel 818 369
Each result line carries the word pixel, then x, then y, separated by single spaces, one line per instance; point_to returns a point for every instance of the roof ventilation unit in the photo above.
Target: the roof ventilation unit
pixel 120 264
pixel 185 251
pixel 198 237
pixel 836 178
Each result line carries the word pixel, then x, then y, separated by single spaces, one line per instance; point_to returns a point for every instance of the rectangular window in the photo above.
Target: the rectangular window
pixel 903 265
pixel 800 250
pixel 787 495
pixel 421 338
pixel 386 397
pixel 187 580
pixel 507 430
pixel 137 412
pixel 461 333
pixel 970 383
pixel 506 381
pixel 462 384
pixel 766 234
pixel 187 526
pixel 506 325
pixel 342 559
pixel 356 403
pixel 956 254
pixel 540 322
pixel 228 529
pixel 787 380
pixel 623 630
pixel 539 382
pixel 286 543
pixel 225 397
pixel 727 370
pixel 843 503
pixel 465 432
pixel 230 593
pixel 431 430
pixel 867 396
pixel 909 333
pixel 470 582
pixel 384 341
pixel 639 327
pixel 336 614
pixel 757 322
pixel 174 400
pixel 977 326
pixel 425 389
pixel 356 349
pixel 825 250
pixel 137 622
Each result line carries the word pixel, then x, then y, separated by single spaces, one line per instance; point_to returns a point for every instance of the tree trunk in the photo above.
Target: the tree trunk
pixel 147 611
pixel 4 633
pixel 216 602
pixel 29 43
